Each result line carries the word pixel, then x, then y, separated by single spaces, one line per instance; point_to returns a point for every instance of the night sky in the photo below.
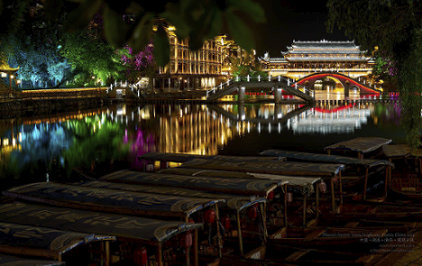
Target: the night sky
pixel 292 20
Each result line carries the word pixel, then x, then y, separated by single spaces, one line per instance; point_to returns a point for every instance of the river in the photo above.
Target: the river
pixel 96 141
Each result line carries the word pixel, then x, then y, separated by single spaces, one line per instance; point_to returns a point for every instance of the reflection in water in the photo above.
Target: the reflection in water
pixel 121 133
pixel 331 119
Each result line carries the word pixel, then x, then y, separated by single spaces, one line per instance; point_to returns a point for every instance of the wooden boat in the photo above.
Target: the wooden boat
pixel 125 202
pixel 110 200
pixel 222 185
pixel 46 242
pixel 349 162
pixel 183 157
pixel 231 212
pixel 331 237
pixel 269 167
pixel 405 184
pixel 330 172
pixel 305 186
pixel 239 186
pixel 318 246
pixel 325 158
pixel 361 146
pixel 151 240
pixel 8 260
pixel 407 187
pixel 375 212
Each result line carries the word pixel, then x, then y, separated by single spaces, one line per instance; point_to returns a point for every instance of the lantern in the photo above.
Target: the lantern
pixel 186 240
pixel 270 195
pixel 323 187
pixel 226 222
pixel 253 212
pixel 209 216
pixel 140 256
pixel 289 196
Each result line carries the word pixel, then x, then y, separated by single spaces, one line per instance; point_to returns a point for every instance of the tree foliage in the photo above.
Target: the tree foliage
pixel 39 66
pixel 137 64
pixel 131 22
pixel 92 60
pixel 246 64
pixel 395 27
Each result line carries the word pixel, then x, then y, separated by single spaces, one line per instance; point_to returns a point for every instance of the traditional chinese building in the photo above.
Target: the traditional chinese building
pixel 195 69
pixel 304 58
pixel 7 74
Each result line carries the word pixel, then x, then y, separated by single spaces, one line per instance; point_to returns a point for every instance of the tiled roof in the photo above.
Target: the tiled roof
pixel 324 51
pixel 325 44
pixel 4 66
pixel 326 58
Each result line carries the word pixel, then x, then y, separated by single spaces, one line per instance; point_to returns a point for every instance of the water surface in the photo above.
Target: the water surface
pixel 102 140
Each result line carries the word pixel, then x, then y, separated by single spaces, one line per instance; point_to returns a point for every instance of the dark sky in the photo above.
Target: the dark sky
pixel 292 20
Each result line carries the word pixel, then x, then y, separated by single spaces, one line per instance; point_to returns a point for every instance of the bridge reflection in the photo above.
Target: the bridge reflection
pixel 337 119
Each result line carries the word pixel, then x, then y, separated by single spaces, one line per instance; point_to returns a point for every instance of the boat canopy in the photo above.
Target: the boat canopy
pixel 224 185
pixel 394 151
pixel 362 144
pixel 269 167
pixel 150 231
pixel 305 184
pixel 7 260
pixel 183 157
pixel 325 158
pixel 21 238
pixel 232 201
pixel 110 200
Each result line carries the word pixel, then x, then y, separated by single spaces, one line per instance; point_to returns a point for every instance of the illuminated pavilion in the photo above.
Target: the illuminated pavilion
pixel 304 58
pixel 7 72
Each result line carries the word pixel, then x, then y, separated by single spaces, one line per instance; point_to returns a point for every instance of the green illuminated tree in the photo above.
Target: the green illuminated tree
pixel 93 61
pixel 246 64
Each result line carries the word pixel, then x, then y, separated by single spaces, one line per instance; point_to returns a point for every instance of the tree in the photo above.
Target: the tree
pixel 137 64
pixel 40 66
pixel 137 23
pixel 245 63
pixel 395 27
pixel 93 61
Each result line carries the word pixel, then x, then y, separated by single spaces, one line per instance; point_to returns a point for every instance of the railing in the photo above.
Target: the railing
pixel 46 94
pixel 248 78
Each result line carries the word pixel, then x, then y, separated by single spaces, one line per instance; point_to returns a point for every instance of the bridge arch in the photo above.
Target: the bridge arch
pixel 346 81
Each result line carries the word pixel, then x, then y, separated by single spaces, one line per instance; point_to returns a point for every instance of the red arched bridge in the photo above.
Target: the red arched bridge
pixel 309 81
pixel 241 85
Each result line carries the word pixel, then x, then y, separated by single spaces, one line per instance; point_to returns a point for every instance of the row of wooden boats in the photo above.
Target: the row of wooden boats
pixel 272 209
